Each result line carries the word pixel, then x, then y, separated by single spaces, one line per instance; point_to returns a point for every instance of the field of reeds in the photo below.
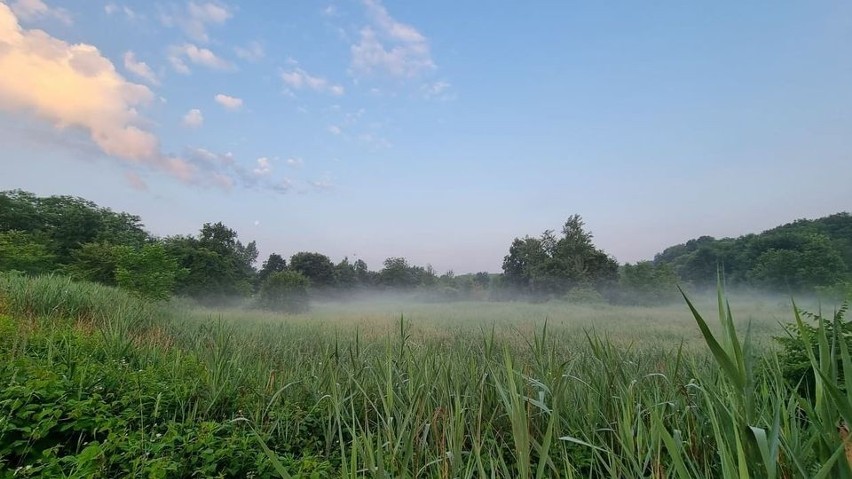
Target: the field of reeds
pixel 96 383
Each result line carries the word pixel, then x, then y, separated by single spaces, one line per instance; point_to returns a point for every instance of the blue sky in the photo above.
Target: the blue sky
pixel 439 130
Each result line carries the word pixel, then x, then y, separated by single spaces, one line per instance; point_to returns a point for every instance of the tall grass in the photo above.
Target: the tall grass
pixel 475 404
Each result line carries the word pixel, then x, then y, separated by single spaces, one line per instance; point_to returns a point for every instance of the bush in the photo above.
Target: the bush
pixel 285 291
pixel 795 363
pixel 148 272
pixel 584 295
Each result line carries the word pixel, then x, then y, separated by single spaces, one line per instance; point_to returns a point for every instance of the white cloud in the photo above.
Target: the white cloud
pixel 229 102
pixel 435 88
pixel 376 142
pixel 324 184
pixel 390 46
pixel 334 130
pixel 330 11
pixel 30 10
pixel 298 79
pixel 251 52
pixel 75 86
pixel 295 162
pixel 112 8
pixel 439 90
pixel 193 118
pixel 140 69
pixel 263 167
pixel 196 55
pixel 196 18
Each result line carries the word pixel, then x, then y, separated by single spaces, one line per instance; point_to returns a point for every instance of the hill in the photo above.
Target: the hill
pixel 796 256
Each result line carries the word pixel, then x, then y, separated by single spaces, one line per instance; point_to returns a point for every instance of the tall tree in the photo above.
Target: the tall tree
pixel 275 263
pixel 397 273
pixel 317 267
pixel 551 265
pixel 218 266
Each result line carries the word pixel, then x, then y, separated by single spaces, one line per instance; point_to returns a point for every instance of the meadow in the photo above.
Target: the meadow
pixel 98 383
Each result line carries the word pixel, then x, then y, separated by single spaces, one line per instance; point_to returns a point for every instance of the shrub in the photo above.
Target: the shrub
pixel 795 363
pixel 285 291
pixel 584 295
pixel 148 272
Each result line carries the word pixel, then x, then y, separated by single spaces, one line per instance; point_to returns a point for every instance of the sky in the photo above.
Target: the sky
pixel 437 131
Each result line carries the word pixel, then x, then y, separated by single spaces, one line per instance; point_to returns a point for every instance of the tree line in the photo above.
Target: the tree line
pixel 800 256
pixel 76 237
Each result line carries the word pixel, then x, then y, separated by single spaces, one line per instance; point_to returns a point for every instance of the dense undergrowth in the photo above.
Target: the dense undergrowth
pixel 96 383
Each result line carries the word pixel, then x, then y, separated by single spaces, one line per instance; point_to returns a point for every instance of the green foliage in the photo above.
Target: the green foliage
pixel 346 275
pixel 584 295
pixel 218 266
pixel 275 263
pixel 285 291
pixel 96 262
pixel 149 271
pixel 801 342
pixel 550 266
pixel 399 274
pixel 67 222
pixel 52 297
pixel 316 267
pixel 189 397
pixel 801 256
pixel 25 252
pixel 813 262
pixel 71 409
pixel 647 283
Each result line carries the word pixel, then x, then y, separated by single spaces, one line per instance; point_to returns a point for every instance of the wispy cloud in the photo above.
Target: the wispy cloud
pixel 264 167
pixel 334 130
pixel 195 19
pixel 193 118
pixel 31 10
pixel 376 142
pixel 226 171
pixel 112 9
pixel 324 184
pixel 282 186
pixel 389 46
pixel 252 52
pixel 140 69
pixel 299 79
pixel 229 102
pixel 295 162
pixel 438 90
pixel 197 55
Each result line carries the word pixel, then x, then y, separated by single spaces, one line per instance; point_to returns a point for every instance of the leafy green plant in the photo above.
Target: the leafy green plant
pixel 796 348
pixel 285 291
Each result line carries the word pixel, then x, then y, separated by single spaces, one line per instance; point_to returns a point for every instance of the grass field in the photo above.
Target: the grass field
pixel 99 384
pixel 665 325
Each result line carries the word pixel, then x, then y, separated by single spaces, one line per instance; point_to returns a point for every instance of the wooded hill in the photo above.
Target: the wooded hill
pixel 793 257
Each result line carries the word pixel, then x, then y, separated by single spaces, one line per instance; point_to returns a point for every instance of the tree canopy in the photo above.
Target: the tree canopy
pixel 797 256
pixel 550 265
